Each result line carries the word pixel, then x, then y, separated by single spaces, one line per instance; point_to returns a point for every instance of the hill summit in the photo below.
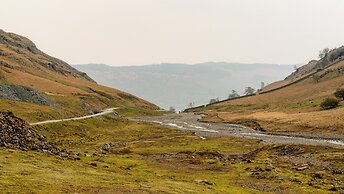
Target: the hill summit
pixel 328 58
pixel 36 86
pixel 18 48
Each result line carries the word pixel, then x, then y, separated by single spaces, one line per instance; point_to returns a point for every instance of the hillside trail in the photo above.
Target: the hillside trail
pixel 189 121
pixel 104 112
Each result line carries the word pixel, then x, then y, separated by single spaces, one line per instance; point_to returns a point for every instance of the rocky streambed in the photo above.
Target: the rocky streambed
pixel 190 121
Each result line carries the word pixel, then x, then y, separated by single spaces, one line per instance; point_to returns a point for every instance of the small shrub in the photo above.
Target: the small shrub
pixel 340 93
pixel 212 101
pixel 329 103
pixel 172 109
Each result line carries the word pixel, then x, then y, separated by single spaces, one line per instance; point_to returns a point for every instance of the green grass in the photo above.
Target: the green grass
pixel 134 111
pixel 308 104
pixel 242 108
pixel 32 112
pixel 69 106
pixel 151 158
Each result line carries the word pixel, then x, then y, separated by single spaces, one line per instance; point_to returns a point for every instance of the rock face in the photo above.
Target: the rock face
pixel 22 93
pixel 15 133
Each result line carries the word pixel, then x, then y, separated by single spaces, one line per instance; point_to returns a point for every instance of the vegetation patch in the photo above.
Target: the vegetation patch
pixel 339 93
pixel 329 103
pixel 117 155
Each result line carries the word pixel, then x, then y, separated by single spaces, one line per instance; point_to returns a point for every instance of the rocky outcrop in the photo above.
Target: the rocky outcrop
pixel 15 133
pixel 302 71
pixel 330 58
pixel 22 93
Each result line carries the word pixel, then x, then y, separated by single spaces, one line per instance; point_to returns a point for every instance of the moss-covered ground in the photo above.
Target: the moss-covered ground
pixel 147 158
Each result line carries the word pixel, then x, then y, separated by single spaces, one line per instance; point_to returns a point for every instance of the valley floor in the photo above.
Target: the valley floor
pixel 190 121
pixel 116 155
pixel 328 123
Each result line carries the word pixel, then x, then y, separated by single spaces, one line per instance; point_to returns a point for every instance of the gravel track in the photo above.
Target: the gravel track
pixel 104 112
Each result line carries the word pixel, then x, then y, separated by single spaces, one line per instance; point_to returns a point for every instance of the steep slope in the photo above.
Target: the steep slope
pixel 332 57
pixel 192 83
pixel 299 74
pixel 17 51
pixel 73 92
pixel 292 108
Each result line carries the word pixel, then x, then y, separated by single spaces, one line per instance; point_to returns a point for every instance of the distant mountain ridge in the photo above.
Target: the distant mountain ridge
pixel 177 85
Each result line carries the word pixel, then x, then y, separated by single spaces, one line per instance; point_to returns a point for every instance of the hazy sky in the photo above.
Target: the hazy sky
pixel 135 32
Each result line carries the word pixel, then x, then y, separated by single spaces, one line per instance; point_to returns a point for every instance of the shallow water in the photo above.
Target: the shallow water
pixel 189 121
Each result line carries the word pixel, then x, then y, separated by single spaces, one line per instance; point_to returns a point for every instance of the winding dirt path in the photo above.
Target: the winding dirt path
pixel 104 112
pixel 189 121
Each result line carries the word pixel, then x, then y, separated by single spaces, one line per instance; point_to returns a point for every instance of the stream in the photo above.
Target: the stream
pixel 189 121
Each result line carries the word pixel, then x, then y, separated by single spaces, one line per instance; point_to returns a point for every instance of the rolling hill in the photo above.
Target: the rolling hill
pixel 35 85
pixel 179 84
pixel 296 105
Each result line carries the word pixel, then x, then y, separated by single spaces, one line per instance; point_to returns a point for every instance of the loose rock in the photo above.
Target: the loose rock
pixel 15 133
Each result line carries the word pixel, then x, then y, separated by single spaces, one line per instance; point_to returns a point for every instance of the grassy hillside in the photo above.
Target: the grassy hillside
pixel 293 108
pixel 21 63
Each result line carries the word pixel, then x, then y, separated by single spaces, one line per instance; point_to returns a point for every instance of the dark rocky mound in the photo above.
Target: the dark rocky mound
pixel 15 133
pixel 22 93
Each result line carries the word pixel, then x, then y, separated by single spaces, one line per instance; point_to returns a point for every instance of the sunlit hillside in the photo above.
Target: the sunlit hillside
pixel 73 92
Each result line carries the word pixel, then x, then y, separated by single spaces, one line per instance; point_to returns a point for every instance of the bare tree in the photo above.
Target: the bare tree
pixel 214 100
pixel 316 78
pixel 295 67
pixel 191 104
pixel 249 91
pixel 234 94
pixel 172 109
pixel 323 53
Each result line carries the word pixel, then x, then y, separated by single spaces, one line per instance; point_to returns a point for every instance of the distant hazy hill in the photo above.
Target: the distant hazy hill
pixel 178 84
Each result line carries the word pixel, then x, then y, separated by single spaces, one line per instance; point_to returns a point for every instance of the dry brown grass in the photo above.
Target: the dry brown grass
pixel 294 108
pixel 325 122
pixel 44 85
pixel 301 72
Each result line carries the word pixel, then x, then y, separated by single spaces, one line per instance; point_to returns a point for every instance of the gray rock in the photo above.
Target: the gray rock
pixel 23 93
pixel 15 133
